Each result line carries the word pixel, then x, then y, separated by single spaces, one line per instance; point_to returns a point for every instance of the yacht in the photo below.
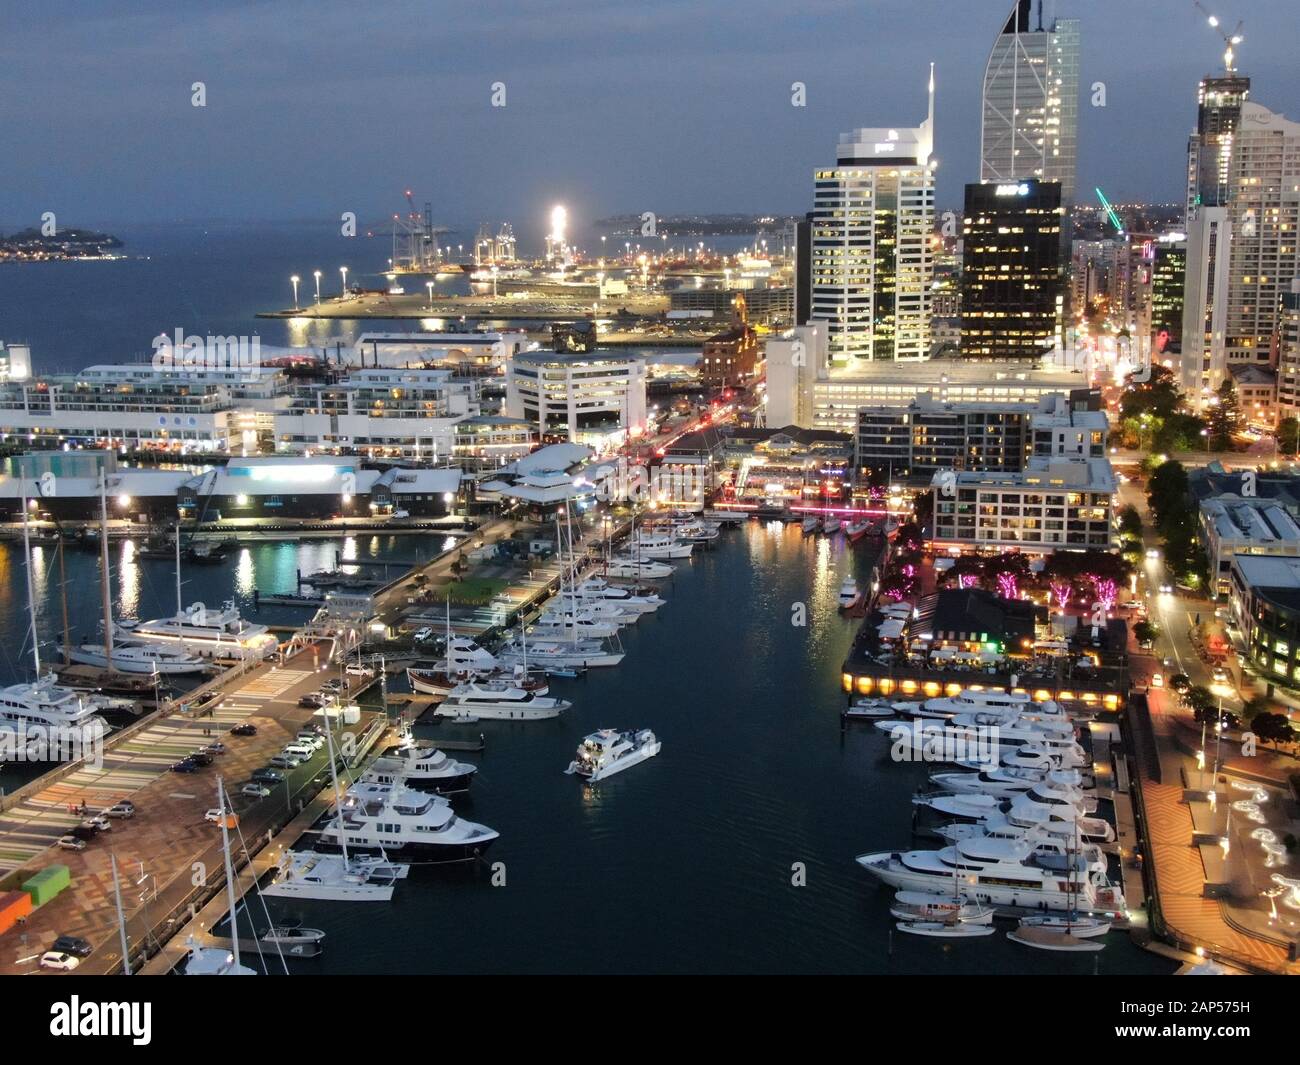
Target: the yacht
pixel 849 594
pixel 561 653
pixel 565 607
pixel 609 751
pixel 970 702
pixel 856 530
pixel 1008 874
pixel 440 682
pixel 404 822
pixel 213 961
pixel 553 627
pixel 1003 782
pixel 811 525
pixel 1023 811
pixel 334 878
pixel 630 568
pixel 151 658
pixel 946 929
pixel 1030 756
pixel 659 547
pixel 502 702
pixel 594 589
pixel 923 906
pixel 45 704
pixel 209 633
pixel 421 765
pixel 831 526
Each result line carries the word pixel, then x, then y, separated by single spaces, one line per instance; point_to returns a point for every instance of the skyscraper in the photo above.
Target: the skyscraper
pixel 1243 198
pixel 872 224
pixel 1209 149
pixel 1031 101
pixel 1011 286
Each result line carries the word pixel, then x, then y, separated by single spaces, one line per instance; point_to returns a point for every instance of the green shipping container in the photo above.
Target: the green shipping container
pixel 47 883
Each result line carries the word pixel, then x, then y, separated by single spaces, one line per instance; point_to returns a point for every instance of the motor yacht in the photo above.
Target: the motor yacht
pixel 504 702
pixel 422 766
pixel 151 658
pixel 849 594
pixel 1004 782
pixel 609 751
pixel 207 633
pixel 563 653
pixel 405 822
pixel 334 878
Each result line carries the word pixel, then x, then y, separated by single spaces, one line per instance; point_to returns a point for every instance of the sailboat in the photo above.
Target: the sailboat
pixel 1063 932
pixel 335 877
pixel 216 961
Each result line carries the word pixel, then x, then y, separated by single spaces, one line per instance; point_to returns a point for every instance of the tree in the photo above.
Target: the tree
pixel 1288 436
pixel 909 536
pixel 966 572
pixel 1180 682
pixel 1225 416
pixel 1198 699
pixel 1147 632
pixel 1167 492
pixel 1273 728
pixel 1253 707
pixel 1006 573
pixel 1130 523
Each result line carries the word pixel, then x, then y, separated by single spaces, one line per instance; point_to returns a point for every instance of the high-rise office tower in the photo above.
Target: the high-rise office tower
pixel 1012 295
pixel 1209 149
pixel 1243 203
pixel 1168 278
pixel 872 262
pixel 1031 101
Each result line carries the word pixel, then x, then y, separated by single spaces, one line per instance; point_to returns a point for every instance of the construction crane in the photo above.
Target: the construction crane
pixel 415 245
pixel 1110 212
pixel 1230 40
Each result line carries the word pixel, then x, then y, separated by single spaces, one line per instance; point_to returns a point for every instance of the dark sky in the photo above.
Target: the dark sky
pixel 318 106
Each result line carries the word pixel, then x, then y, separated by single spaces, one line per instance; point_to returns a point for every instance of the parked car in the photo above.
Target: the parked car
pixel 56 959
pixel 72 843
pixel 304 752
pixel 310 739
pixel 125 808
pixel 266 775
pixel 332 685
pixel 201 758
pixel 244 729
pixel 215 748
pixel 255 791
pixel 286 761
pixel 213 815
pixel 420 635
pixel 356 670
pixel 1157 680
pixel 185 765
pixel 312 700
pixel 74 945
pixel 98 823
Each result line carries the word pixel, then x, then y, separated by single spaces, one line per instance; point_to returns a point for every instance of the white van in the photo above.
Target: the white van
pixel 301 751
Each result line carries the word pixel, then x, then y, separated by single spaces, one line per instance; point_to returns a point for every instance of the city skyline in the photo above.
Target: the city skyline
pixel 584 120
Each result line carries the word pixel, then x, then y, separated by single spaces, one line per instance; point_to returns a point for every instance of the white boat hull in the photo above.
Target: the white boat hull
pixel 635 758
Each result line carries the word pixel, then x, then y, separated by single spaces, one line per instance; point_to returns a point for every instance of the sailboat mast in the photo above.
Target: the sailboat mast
pixel 230 874
pixel 334 776
pixel 180 605
pixel 121 919
pixel 103 561
pixel 63 595
pixel 31 592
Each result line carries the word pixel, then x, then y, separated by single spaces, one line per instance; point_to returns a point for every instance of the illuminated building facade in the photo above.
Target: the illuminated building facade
pixel 1012 298
pixel 872 261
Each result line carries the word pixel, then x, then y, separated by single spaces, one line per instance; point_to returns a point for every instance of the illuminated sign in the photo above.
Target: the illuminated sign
pixel 884 146
pixel 1012 190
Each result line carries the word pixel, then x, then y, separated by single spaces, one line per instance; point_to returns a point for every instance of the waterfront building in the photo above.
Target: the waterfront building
pixel 765 304
pixel 805 389
pixel 914 441
pixel 285 488
pixel 1030 105
pixel 1244 525
pixel 488 441
pixel 1051 504
pixel 872 261
pixel 380 413
pixel 417 350
pixel 1012 301
pixel 1264 596
pixel 594 398
pixel 731 356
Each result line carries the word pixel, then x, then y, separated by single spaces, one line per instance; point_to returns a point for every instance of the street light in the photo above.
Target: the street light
pixel 316 275
pixel 429 286
pixel 344 271
pixel 294 280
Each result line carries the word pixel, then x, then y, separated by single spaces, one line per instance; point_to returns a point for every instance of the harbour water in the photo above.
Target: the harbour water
pixel 686 863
